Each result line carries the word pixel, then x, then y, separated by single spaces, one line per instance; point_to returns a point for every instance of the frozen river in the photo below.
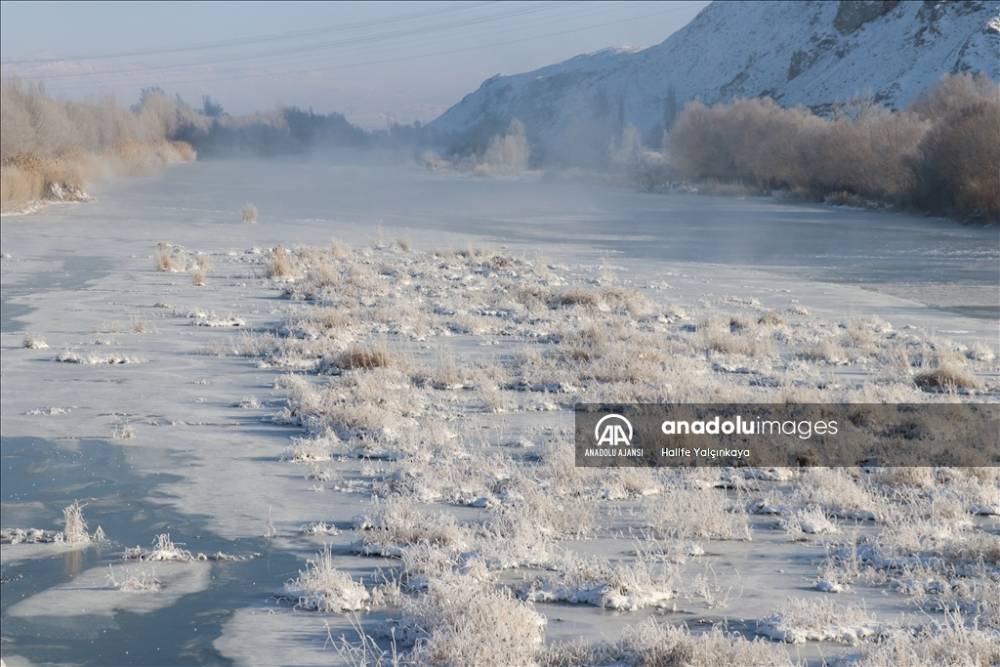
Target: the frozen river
pixel 79 274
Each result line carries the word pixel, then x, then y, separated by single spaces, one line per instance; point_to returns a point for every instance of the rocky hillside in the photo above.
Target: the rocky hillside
pixel 816 54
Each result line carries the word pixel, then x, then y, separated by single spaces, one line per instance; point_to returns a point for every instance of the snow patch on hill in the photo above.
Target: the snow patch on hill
pixel 815 54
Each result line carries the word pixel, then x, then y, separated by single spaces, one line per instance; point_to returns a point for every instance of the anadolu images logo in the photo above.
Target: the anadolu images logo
pixel 613 430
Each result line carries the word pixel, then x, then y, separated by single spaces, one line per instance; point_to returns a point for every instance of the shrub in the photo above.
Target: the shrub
pixel 942 154
pixel 762 144
pixel 506 154
pixel 50 148
pixel 280 264
pixel 959 159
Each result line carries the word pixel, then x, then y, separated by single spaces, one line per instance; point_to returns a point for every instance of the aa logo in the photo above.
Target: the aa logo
pixel 613 431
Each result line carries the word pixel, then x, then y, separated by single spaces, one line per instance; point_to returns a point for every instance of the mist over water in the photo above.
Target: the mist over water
pixel 926 259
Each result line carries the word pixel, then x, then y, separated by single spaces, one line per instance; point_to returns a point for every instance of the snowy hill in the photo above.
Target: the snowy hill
pixel 800 53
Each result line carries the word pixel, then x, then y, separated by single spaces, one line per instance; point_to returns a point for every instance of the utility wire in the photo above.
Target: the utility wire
pixel 259 75
pixel 348 41
pixel 256 39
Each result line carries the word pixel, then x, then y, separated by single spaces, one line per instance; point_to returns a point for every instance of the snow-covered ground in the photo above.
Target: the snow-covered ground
pixel 439 368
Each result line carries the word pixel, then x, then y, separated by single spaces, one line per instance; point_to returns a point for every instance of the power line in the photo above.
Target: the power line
pixel 372 47
pixel 242 41
pixel 259 75
pixel 348 41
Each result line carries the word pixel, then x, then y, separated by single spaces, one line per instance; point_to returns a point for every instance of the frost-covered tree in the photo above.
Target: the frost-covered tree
pixel 509 153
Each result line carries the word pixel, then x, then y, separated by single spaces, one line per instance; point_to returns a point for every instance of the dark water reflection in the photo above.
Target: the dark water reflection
pixel 118 499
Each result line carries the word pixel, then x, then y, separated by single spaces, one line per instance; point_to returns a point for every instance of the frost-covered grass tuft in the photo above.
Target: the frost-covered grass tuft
pixel 322 587
pixel 248 213
pixel 621 585
pixel 74 524
pixel 74 531
pixel 281 264
pixel 464 620
pixel 123 430
pixel 366 357
pixel 809 521
pixel 392 524
pixel 74 357
pixel 249 403
pixel 200 269
pixel 655 643
pixel 34 342
pixel 947 378
pixel 686 513
pixel 167 258
pixel 163 549
pixel 134 582
pixel 953 642
pixel 803 620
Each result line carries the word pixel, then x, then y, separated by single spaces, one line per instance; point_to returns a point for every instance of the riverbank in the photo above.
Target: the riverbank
pixel 29 182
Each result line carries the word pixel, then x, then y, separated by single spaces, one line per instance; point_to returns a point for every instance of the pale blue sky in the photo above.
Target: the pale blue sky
pixel 373 61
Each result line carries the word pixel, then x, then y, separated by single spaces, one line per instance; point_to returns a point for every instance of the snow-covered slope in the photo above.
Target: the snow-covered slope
pixel 810 53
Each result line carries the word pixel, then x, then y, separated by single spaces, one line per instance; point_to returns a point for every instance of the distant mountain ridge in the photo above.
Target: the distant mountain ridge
pixel 816 54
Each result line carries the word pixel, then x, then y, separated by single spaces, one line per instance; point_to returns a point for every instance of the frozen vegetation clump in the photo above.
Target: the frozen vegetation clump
pixel 134 582
pixel 199 270
pixel 819 620
pixel 280 265
pixel 691 513
pixel 623 585
pixel 322 587
pixel 952 642
pixel 947 378
pixel 248 213
pixel 809 521
pixel 392 524
pixel 34 342
pixel 88 359
pixel 75 526
pixel 466 621
pixel 164 549
pixel 123 429
pixel 654 642
pixel 168 258
pixel 75 531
